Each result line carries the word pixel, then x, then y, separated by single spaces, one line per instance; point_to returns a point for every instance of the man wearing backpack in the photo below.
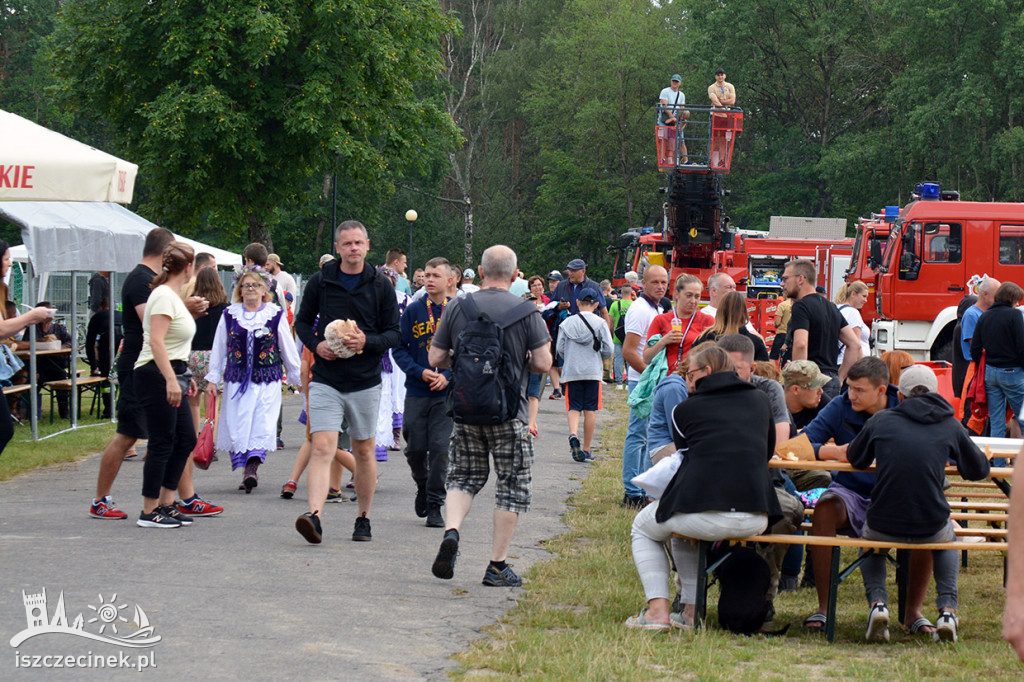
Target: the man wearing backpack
pixel 617 326
pixel 491 339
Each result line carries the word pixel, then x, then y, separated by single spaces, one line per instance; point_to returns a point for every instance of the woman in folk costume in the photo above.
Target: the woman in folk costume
pixel 392 388
pixel 252 340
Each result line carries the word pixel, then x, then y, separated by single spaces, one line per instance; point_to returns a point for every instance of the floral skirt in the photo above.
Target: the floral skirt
pixel 199 365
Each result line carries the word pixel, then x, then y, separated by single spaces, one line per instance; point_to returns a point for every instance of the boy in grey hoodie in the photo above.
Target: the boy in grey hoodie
pixel 584 342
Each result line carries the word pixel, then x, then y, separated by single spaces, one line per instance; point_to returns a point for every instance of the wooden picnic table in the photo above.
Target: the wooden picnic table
pixel 831 465
pixel 26 353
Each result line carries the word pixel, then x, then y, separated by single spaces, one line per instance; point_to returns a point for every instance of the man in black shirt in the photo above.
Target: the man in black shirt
pixel 131 422
pixel 817 327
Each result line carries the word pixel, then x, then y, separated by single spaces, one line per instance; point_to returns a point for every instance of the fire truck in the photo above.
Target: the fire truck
pixel 695 237
pixel 938 248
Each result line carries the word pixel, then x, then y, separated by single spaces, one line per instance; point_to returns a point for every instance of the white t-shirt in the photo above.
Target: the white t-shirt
pixel 178 341
pixel 670 97
pixel 638 318
pixel 853 318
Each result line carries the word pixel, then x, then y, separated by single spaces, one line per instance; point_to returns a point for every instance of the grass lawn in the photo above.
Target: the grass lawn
pixel 22 454
pixel 568 623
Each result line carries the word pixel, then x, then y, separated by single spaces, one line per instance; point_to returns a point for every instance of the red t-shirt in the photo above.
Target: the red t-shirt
pixel 662 324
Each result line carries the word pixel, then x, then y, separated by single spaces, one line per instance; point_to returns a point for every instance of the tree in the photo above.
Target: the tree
pixel 232 108
pixel 591 107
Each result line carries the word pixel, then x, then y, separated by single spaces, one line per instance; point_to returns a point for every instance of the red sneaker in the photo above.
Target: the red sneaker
pixel 288 489
pixel 198 507
pixel 103 510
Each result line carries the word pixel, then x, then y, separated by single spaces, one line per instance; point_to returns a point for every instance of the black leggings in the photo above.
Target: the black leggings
pixel 6 425
pixel 172 436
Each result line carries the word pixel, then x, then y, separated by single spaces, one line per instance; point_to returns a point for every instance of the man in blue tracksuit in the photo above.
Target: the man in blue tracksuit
pixel 426 426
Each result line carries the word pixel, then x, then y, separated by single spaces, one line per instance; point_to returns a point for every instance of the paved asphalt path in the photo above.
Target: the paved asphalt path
pixel 242 595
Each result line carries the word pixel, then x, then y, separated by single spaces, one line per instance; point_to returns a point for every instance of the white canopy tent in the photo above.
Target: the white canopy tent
pixel 86 236
pixel 70 236
pixel 38 164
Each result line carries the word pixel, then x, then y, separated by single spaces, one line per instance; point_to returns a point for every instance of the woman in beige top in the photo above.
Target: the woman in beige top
pixel 162 380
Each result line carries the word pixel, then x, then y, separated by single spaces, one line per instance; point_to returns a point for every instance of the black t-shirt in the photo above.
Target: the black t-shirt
pixel 135 291
pixel 206 327
pixel 807 415
pixel 822 320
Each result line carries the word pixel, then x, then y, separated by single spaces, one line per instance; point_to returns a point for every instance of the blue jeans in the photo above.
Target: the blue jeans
pixel 1003 385
pixel 618 364
pixel 635 458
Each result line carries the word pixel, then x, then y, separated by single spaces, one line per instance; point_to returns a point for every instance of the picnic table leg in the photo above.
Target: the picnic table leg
pixel 833 591
pixel 902 581
pixel 700 607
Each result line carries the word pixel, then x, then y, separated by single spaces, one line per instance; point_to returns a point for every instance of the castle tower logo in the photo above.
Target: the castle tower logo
pixel 107 617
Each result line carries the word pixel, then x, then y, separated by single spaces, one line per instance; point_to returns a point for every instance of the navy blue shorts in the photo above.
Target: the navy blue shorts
pixel 582 396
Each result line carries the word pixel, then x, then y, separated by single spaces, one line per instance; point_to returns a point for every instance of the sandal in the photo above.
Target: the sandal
pixel 640 622
pixel 679 621
pixel 919 625
pixel 816 621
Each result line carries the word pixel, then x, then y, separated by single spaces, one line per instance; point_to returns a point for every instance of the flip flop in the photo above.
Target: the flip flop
pixel 919 625
pixel 640 622
pixel 816 621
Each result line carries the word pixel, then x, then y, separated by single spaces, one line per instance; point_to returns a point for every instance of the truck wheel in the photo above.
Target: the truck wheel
pixel 943 350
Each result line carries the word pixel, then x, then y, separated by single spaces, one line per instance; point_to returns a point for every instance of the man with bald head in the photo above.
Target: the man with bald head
pixel 635 458
pixel 986 295
pixel 473 446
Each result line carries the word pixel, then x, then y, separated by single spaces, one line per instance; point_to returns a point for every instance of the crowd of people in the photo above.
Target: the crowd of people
pixel 458 365
pixel 689 391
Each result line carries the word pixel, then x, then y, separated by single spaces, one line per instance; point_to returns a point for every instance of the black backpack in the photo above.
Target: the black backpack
pixel 484 386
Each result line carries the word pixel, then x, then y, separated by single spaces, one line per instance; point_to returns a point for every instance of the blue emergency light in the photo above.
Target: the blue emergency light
pixel 892 213
pixel 928 191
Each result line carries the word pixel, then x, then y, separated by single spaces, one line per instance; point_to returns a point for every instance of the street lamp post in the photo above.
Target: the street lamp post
pixel 411 217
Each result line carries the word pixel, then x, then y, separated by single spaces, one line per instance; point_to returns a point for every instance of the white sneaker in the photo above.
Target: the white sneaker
pixel 878 624
pixel 945 627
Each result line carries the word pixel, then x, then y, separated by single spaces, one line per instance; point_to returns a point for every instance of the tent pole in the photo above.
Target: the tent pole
pixel 112 309
pixel 73 364
pixel 33 394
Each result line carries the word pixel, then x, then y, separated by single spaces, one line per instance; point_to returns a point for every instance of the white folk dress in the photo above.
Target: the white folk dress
pixel 247 421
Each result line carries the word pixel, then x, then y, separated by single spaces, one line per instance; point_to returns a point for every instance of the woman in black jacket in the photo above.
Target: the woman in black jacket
pixel 721 490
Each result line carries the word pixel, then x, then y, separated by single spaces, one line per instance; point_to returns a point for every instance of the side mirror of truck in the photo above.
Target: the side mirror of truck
pixel 875 256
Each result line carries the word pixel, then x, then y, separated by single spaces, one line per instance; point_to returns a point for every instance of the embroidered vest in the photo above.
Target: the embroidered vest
pixel 253 356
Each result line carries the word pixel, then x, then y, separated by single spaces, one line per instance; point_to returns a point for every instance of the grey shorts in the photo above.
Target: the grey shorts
pixel 329 408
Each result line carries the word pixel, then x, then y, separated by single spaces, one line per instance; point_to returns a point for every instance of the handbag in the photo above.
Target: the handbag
pixel 202 456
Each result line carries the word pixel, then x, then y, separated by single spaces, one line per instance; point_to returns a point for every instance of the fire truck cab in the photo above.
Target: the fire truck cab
pixel 936 253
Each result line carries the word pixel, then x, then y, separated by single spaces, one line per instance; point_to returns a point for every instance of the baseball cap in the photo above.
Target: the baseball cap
pixel 577 264
pixel 676 77
pixel 468 273
pixel 588 296
pixel 820 290
pixel 918 375
pixel 805 374
pixel 555 275
pixel 326 258
pixel 274 257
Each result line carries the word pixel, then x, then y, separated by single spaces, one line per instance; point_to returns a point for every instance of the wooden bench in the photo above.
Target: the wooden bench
pixel 16 389
pixel 85 384
pixel 836 575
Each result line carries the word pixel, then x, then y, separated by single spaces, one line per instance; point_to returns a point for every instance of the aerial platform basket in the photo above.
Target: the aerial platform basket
pixel 703 139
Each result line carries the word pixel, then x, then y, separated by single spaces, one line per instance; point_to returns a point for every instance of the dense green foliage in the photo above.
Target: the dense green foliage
pixel 525 121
